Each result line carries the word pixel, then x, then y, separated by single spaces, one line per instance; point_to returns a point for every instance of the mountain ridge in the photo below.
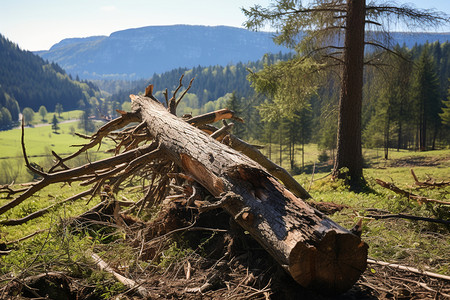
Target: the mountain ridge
pixel 141 52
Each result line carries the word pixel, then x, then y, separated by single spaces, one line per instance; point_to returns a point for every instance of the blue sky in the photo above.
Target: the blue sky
pixel 37 25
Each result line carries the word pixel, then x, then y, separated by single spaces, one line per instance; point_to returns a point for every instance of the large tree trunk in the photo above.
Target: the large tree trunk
pixel 317 252
pixel 349 154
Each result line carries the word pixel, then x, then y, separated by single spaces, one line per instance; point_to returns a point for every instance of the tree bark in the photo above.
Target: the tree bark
pixel 349 154
pixel 315 251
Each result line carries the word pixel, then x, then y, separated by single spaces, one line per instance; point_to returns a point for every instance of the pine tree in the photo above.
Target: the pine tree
pixel 427 97
pixel 86 123
pixel 234 104
pixel 315 31
pixel 58 109
pixel 445 115
pixel 55 122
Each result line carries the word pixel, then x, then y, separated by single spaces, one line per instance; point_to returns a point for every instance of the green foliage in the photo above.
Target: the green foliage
pixel 28 115
pixel 55 122
pixel 289 85
pixel 445 115
pixel 86 123
pixel 34 82
pixel 43 112
pixel 323 156
pixel 9 110
pixel 59 109
pixel 235 104
pixel 427 97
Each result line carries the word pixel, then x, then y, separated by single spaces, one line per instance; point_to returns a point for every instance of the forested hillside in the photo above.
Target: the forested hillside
pixel 26 80
pixel 210 83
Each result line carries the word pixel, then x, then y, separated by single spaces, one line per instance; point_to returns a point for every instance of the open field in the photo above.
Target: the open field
pixel 40 140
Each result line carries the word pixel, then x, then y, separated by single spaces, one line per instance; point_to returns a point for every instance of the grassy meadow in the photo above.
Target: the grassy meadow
pixel 40 140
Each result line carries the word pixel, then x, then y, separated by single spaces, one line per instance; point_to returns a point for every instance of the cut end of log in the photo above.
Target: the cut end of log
pixel 332 266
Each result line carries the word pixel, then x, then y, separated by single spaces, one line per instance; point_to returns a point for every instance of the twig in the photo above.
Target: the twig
pixel 27 237
pixel 423 285
pixel 43 211
pixel 184 93
pixel 25 156
pixel 122 121
pixel 428 183
pixel 122 279
pixel 409 217
pixel 7 189
pixel 409 269
pixel 407 194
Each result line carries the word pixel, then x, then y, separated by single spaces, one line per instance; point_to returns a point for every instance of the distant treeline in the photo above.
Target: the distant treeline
pixel 404 100
pixel 210 83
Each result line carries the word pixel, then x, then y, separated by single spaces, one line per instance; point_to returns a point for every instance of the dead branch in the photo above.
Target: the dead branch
pixel 409 269
pixel 408 217
pixel 429 182
pixel 124 119
pixel 131 284
pixel 27 236
pixel 211 117
pixel 76 173
pixel 409 195
pixel 43 211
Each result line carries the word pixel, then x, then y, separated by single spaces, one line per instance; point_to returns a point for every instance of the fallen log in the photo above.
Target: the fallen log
pixel 315 251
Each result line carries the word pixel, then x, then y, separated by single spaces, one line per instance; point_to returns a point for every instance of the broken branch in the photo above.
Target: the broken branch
pixel 409 195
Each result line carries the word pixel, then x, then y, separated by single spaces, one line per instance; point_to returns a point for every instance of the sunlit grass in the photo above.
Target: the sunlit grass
pixel 40 141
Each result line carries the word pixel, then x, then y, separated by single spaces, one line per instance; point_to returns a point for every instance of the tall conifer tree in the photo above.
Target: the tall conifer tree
pixel 315 30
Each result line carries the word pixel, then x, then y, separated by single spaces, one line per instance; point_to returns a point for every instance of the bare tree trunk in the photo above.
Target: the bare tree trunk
pixel 349 154
pixel 315 251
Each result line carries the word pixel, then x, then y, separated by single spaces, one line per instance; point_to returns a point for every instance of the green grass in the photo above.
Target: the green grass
pixel 40 140
pixel 65 116
pixel 415 243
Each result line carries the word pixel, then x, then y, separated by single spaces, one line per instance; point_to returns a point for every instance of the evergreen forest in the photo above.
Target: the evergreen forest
pixel 28 81
pixel 405 103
